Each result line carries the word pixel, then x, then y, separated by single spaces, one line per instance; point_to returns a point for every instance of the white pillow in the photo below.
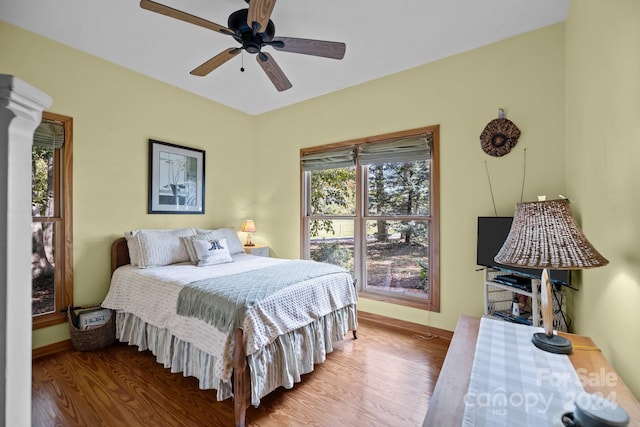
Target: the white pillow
pixel 191 251
pixel 207 252
pixel 155 248
pixel 235 246
pixel 134 256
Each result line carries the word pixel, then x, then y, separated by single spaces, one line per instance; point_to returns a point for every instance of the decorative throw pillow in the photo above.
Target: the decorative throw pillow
pixel 204 251
pixel 235 246
pixel 155 248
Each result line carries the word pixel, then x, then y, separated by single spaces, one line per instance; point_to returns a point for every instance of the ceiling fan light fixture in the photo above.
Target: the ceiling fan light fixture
pixel 251 47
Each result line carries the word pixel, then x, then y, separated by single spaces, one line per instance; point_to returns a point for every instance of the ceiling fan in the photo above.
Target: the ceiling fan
pixel 254 30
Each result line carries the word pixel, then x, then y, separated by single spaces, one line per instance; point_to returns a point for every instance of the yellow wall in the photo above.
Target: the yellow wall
pixel 590 158
pixel 602 174
pixel 579 126
pixel 524 75
pixel 115 112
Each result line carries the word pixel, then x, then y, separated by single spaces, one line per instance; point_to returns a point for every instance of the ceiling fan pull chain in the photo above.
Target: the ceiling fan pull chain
pixel 242 62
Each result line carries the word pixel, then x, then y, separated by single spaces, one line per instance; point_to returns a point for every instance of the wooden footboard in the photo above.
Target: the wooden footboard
pixel 241 380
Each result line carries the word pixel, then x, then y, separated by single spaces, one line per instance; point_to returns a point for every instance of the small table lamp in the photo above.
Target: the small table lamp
pixel 248 226
pixel 544 235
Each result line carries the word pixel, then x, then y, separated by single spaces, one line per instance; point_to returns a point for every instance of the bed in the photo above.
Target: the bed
pixel 244 351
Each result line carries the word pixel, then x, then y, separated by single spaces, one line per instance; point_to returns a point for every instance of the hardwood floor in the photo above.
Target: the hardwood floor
pixel 384 378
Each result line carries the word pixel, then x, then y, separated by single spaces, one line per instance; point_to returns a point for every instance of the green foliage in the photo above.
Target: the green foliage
pixel 415 232
pixel 424 276
pixel 333 253
pixel 319 225
pixel 42 162
pixel 332 193
pixel 399 188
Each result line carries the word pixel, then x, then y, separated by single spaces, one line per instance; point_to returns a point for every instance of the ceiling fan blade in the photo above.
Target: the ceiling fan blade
pixel 273 71
pixel 326 49
pixel 215 62
pixel 260 12
pixel 183 16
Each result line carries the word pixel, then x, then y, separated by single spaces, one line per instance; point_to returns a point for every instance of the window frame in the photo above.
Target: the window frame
pixel 63 219
pixel 432 303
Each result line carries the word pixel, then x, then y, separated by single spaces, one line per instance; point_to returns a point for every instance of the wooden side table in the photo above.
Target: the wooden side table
pixel 446 406
pixel 259 250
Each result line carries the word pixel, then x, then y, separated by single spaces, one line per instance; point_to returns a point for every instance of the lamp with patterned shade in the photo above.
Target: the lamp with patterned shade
pixel 249 226
pixel 544 235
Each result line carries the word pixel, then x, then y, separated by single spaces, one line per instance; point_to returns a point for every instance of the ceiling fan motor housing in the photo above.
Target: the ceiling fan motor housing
pixel 243 33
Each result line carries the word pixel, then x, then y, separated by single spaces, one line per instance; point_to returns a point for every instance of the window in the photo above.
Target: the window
pixel 51 231
pixel 371 205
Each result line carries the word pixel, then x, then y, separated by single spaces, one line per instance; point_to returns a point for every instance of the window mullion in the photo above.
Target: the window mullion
pixel 306 211
pixel 359 228
pixel 57 183
pixel 322 217
pixel 59 260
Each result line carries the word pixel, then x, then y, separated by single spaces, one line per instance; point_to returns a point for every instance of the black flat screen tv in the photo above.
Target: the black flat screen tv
pixel 492 232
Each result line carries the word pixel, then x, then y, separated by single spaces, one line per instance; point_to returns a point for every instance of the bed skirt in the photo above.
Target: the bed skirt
pixel 281 363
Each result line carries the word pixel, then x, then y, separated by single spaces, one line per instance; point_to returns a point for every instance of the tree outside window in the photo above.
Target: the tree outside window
pixel 51 179
pixel 385 229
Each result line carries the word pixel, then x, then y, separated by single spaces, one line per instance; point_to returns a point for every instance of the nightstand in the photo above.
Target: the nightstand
pixel 259 250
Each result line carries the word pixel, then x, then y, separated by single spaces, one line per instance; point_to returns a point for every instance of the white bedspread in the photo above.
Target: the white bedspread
pixel 151 294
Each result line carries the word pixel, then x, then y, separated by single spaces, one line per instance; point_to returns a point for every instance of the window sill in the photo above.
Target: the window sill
pixel 404 300
pixel 46 320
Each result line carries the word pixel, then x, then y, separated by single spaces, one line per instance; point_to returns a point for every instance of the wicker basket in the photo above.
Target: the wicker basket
pixel 91 339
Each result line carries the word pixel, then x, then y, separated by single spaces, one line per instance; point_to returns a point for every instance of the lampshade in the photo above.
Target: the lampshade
pixel 544 235
pixel 248 226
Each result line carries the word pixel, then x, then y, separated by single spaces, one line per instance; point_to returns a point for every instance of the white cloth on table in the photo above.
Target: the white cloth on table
pixel 513 383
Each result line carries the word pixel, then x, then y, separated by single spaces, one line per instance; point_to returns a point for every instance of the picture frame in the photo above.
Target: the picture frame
pixel 176 179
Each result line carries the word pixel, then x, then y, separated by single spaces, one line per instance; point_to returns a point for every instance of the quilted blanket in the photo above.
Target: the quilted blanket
pixel 224 301
pixel 152 295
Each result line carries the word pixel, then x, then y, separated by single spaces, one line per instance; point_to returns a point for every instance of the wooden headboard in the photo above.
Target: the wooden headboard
pixel 119 254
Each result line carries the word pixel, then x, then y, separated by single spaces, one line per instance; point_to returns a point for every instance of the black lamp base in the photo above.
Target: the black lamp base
pixel 551 344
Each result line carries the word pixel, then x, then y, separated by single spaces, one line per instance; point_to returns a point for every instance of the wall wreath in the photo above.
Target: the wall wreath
pixel 499 136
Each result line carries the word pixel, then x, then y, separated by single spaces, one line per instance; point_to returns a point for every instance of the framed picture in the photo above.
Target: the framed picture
pixel 176 179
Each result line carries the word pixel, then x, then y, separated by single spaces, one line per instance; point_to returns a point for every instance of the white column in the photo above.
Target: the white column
pixel 21 107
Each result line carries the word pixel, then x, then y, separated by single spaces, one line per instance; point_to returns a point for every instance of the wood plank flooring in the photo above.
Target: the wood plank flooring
pixel 384 378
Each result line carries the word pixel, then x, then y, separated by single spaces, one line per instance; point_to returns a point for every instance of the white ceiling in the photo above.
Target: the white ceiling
pixel 382 38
